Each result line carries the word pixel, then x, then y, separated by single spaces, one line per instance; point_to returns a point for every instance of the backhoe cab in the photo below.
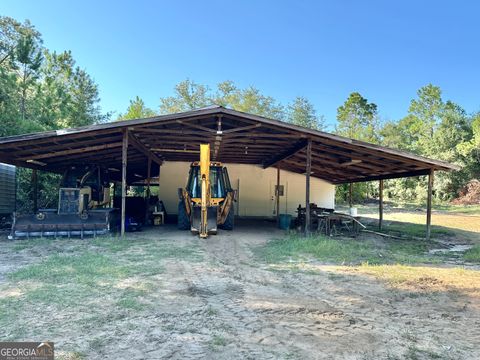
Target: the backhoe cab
pixel 207 201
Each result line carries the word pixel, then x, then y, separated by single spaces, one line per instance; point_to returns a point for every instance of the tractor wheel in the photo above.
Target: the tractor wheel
pixel 229 221
pixel 183 219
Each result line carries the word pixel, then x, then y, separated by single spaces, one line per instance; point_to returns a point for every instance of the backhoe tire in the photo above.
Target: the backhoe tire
pixel 183 219
pixel 229 221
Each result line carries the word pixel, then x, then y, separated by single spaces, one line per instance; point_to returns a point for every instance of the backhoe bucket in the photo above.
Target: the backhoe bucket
pixel 211 219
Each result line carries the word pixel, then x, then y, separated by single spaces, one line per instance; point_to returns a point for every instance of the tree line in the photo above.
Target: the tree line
pixel 44 90
pixel 433 127
pixel 41 90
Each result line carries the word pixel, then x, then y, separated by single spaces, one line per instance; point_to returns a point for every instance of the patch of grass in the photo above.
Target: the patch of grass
pixel 321 248
pixel 130 299
pixel 346 250
pixel 23 244
pixel 217 341
pixel 405 229
pixel 473 254
pixel 415 353
pixel 211 311
pixel 459 209
pixel 115 244
pixel 86 268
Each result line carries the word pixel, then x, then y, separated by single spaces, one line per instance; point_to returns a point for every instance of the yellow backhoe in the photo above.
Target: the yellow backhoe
pixel 207 201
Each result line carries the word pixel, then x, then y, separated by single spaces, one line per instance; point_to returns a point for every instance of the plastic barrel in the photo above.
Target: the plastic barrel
pixel 285 220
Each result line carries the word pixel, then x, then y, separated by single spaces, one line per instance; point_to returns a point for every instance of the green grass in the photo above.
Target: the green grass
pixel 217 342
pixel 96 277
pixel 406 229
pixel 148 249
pixel 346 250
pixel 459 209
pixel 132 299
pixel 473 254
pixel 86 268
pixel 450 208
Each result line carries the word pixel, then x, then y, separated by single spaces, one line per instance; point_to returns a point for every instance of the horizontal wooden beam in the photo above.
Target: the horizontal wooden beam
pixel 397 175
pixel 51 136
pixel 72 151
pixel 199 127
pixel 244 128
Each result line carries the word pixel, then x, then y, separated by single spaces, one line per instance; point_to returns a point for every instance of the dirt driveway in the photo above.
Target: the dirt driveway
pixel 225 304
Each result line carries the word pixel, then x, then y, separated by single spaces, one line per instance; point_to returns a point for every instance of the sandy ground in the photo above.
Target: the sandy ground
pixel 232 306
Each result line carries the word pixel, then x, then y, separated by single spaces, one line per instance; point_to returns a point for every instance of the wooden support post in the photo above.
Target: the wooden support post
pixel 429 204
pixel 350 195
pixel 307 187
pixel 158 183
pixel 277 196
pixel 380 205
pixel 147 197
pixel 124 179
pixel 35 190
pixel 112 201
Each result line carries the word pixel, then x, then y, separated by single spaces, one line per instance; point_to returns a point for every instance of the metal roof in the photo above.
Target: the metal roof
pixel 234 136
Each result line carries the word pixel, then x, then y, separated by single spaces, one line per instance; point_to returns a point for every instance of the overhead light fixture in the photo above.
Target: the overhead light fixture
pixel 113 169
pixel 36 162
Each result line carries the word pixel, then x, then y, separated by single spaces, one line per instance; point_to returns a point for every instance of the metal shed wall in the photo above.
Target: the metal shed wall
pixel 7 189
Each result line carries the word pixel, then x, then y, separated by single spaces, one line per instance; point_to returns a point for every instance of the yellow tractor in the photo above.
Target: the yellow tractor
pixel 207 201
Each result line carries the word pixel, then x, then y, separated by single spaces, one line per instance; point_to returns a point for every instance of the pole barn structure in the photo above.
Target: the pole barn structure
pixel 137 148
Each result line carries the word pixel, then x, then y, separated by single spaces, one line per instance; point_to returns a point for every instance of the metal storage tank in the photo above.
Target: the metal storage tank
pixel 7 189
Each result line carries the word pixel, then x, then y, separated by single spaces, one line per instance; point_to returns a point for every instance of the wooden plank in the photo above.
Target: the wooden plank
pixel 380 205
pixel 429 204
pixel 72 151
pixel 382 153
pixel 316 168
pixel 321 162
pixel 389 175
pixel 147 200
pixel 277 196
pixel 145 150
pixel 124 179
pixel 35 190
pixel 199 127
pixel 266 135
pixel 71 144
pixel 308 169
pixel 50 137
pixel 244 128
pixel 350 195
pixel 286 154
pixel 368 161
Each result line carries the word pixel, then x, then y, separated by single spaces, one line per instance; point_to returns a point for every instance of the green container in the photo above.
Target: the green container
pixel 285 220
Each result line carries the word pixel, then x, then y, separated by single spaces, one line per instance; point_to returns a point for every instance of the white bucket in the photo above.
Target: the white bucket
pixel 353 211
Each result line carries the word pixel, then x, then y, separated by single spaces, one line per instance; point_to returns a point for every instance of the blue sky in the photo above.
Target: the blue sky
pixel 322 50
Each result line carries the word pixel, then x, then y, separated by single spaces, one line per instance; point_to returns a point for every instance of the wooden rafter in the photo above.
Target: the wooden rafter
pixel 285 154
pixel 143 149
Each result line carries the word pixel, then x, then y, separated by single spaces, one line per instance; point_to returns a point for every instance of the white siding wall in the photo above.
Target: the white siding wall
pixel 256 189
